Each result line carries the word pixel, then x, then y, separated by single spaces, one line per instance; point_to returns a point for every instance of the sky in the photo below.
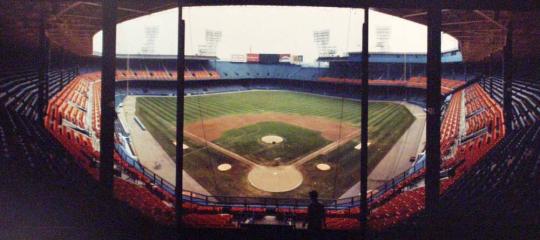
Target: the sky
pixel 264 29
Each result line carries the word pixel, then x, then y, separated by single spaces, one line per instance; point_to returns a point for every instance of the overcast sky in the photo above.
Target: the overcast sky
pixel 261 29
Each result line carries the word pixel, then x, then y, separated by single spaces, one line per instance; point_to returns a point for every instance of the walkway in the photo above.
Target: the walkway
pixel 150 153
pixel 396 161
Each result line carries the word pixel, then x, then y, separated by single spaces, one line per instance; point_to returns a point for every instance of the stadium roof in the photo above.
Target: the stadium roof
pixel 72 24
pixel 393 57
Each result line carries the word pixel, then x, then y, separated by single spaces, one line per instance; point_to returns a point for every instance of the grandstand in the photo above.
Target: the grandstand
pixel 52 131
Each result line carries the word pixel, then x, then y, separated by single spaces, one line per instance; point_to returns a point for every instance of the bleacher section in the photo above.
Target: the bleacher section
pixel 525 96
pixel 19 88
pixel 148 69
pixel 488 192
pixel 447 85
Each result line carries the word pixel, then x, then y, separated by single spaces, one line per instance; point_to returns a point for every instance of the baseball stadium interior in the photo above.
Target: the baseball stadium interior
pixel 437 144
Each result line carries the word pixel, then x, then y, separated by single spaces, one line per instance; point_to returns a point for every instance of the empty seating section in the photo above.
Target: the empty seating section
pixel 96 110
pixel 155 70
pixel 491 188
pixel 485 127
pixel 196 220
pixel 402 206
pixel 76 126
pixel 342 223
pixel 402 203
pixel 450 123
pixel 66 120
pixel 148 203
pixel 19 88
pixel 447 85
pixel 525 99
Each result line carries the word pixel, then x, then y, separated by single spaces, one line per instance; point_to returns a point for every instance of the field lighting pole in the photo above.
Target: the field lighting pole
pixel 433 104
pixel 180 58
pixel 507 85
pixel 364 124
pixel 108 70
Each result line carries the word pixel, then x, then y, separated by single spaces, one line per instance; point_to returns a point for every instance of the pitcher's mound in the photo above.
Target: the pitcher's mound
pixel 275 179
pixel 272 139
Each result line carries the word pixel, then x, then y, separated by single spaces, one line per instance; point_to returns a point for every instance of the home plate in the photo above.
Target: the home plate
pixel 359 146
pixel 185 146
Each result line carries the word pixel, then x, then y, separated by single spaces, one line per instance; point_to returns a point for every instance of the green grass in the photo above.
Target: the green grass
pixel 297 142
pixel 211 106
pixel 387 122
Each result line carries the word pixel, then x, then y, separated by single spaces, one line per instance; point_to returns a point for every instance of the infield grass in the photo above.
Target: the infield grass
pixel 297 141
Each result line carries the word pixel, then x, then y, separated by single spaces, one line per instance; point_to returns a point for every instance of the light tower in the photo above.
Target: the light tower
pixel 322 41
pixel 150 35
pixel 382 35
pixel 212 40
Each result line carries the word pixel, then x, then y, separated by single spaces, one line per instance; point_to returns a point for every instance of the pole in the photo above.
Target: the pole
pixel 364 123
pixel 108 70
pixel 507 85
pixel 43 64
pixel 62 56
pixel 180 122
pixel 433 120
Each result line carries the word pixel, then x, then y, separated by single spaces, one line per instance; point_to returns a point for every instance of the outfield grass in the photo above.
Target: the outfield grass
pixel 270 101
pixel 246 141
pixel 388 121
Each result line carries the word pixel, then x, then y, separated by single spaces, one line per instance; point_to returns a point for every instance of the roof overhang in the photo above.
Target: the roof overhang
pixel 479 25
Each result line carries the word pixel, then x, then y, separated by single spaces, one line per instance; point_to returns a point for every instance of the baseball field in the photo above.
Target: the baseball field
pixel 310 130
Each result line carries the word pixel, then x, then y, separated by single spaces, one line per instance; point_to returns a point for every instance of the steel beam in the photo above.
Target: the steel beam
pixel 507 85
pixel 62 56
pixel 43 64
pixel 108 69
pixel 433 103
pixel 364 123
pixel 180 58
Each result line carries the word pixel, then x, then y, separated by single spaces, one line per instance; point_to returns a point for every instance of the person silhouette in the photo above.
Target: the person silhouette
pixel 316 215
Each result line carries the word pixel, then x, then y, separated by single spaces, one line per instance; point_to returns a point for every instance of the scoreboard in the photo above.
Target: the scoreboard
pixel 268 58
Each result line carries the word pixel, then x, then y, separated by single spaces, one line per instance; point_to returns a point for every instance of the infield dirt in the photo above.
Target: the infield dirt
pixel 213 128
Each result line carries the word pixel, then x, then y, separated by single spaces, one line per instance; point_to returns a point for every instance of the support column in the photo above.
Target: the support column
pixel 507 86
pixel 43 65
pixel 62 56
pixel 490 74
pixel 180 123
pixel 108 69
pixel 364 123
pixel 433 118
